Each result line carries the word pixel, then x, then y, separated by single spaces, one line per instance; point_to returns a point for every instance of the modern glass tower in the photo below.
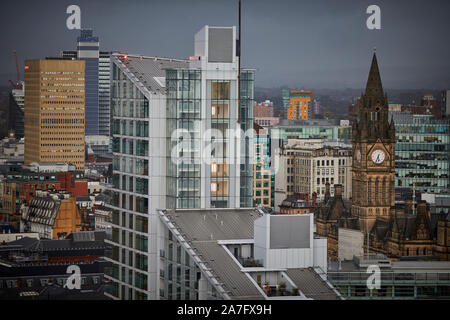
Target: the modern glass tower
pixel 176 144
pixel 88 50
pixel 98 82
pixel 104 84
pixel 422 152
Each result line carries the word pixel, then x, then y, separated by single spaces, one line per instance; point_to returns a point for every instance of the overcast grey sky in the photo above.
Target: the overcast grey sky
pixel 303 43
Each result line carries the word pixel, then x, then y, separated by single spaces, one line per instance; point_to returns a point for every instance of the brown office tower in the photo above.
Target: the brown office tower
pixel 54 111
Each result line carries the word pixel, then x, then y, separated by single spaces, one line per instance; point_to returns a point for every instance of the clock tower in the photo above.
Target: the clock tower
pixel 373 141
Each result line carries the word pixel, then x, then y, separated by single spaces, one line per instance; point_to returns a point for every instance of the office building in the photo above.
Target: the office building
pixel 399 279
pixel 54 111
pixel 104 98
pixel 98 74
pixel 307 165
pixel 300 105
pixel 263 173
pixel 422 152
pixel 88 51
pixel 19 95
pixel 174 147
pixel 285 96
pixel 338 130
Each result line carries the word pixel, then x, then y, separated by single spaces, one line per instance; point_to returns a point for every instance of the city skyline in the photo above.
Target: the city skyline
pixel 318 45
pixel 138 161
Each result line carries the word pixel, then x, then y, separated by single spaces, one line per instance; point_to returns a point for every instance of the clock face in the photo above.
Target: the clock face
pixel 378 156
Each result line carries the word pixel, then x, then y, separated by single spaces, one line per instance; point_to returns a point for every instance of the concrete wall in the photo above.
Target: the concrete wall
pixel 289 257
pixel 351 243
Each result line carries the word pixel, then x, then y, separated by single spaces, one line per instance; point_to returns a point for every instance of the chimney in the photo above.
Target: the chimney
pixel 422 208
pixel 338 190
pixel 327 192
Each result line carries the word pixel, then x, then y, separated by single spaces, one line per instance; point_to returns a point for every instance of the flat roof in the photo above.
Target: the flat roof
pixel 203 229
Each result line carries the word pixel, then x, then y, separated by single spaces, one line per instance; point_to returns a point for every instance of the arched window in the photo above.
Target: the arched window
pixel 377 191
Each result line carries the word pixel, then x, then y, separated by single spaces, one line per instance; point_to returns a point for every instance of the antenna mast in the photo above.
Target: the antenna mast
pixel 239 66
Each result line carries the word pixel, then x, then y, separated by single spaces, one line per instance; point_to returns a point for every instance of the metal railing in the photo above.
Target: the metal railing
pixel 390 278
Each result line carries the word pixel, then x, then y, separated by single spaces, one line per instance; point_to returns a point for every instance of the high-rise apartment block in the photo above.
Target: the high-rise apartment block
pixel 55 111
pixel 300 105
pixel 175 146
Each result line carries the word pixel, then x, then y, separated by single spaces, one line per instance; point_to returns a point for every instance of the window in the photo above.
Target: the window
pixel 11 283
pixel 220 90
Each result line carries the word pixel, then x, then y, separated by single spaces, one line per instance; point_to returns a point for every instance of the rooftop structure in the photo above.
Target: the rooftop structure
pixel 399 279
pixel 243 254
pixel 37 269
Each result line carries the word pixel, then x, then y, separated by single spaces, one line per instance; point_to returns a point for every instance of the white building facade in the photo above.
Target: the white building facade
pixel 174 146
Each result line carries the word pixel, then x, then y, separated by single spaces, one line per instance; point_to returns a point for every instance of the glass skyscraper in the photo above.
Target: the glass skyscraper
pixel 176 144
pixel 104 109
pixel 88 50
pixel 421 152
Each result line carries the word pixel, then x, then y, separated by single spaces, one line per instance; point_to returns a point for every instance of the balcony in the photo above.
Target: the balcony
pixel 251 263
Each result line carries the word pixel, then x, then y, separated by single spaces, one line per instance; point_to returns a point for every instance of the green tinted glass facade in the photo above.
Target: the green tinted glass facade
pixel 422 153
pixel 183 116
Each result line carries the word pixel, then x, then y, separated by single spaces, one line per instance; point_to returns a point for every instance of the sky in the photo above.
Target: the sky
pixel 294 43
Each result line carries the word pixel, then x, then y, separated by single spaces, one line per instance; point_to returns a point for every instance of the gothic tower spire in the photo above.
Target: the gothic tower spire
pixel 374 108
pixel 374 88
pixel 373 176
